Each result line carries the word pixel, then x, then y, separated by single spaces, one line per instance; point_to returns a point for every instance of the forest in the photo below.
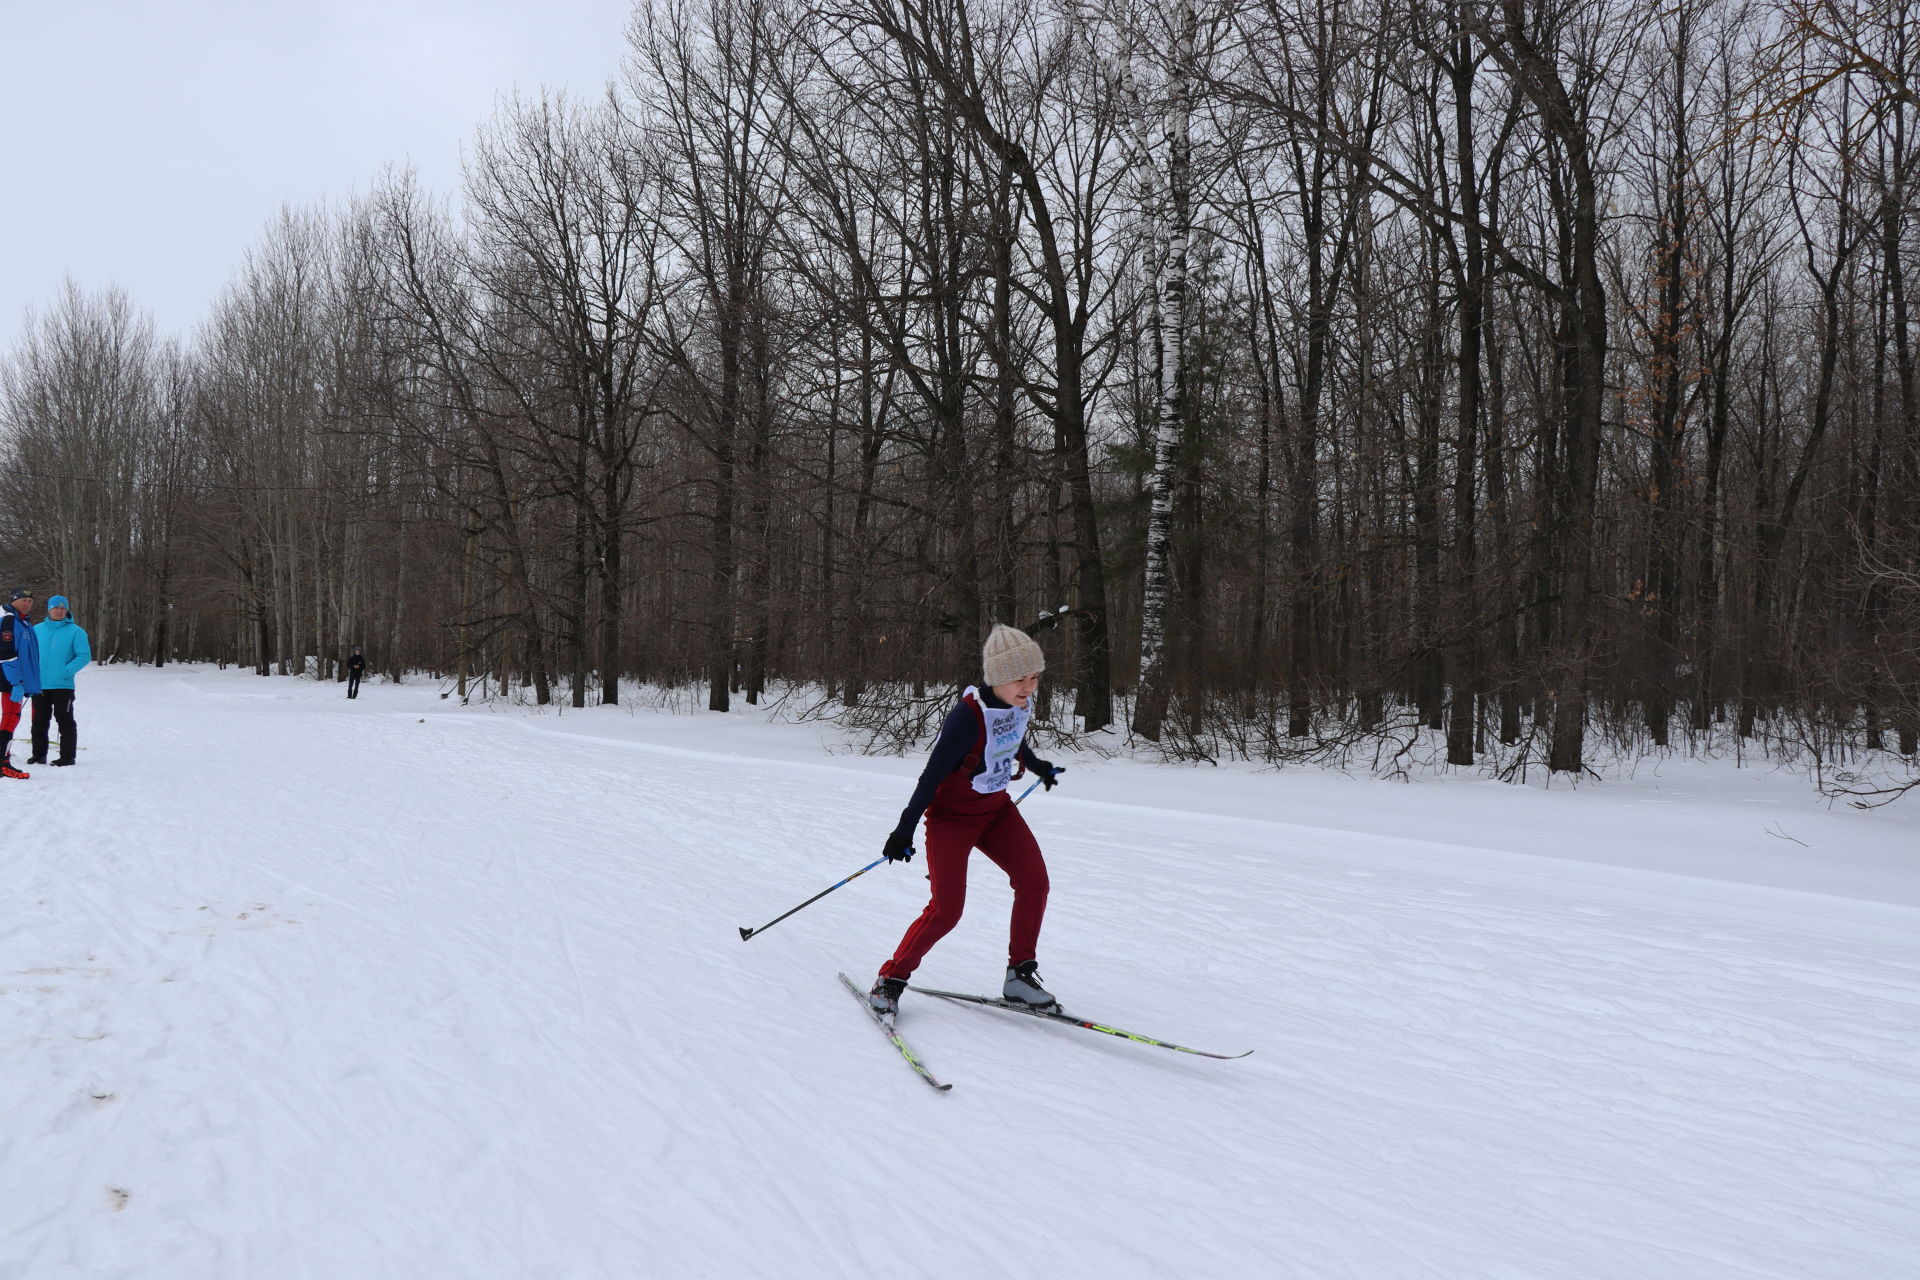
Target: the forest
pixel 1313 378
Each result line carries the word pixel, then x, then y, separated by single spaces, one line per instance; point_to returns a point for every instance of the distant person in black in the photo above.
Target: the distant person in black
pixel 355 665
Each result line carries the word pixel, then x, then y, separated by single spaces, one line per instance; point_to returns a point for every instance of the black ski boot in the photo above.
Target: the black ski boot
pixel 1023 986
pixel 885 996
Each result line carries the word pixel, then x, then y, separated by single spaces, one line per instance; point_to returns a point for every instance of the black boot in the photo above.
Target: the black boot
pixel 885 996
pixel 6 765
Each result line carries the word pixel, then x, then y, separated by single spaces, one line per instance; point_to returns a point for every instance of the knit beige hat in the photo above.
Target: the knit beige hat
pixel 1011 655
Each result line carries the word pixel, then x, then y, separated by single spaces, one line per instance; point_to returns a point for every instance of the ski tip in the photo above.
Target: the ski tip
pixel 745 933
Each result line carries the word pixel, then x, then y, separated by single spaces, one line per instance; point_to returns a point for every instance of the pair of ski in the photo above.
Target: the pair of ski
pixel 1051 1015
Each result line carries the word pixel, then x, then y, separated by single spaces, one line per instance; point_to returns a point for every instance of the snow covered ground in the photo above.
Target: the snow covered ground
pixel 298 987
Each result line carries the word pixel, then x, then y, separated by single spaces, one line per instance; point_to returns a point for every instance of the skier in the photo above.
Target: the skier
pixel 19 671
pixel 63 651
pixel 355 666
pixel 963 792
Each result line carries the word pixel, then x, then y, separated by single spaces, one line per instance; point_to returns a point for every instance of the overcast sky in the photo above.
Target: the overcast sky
pixel 145 143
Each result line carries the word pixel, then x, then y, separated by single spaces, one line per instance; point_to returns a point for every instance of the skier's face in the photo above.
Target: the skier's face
pixel 1019 692
pixel 57 612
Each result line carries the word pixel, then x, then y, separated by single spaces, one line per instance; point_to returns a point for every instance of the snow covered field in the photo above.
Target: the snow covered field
pixel 298 987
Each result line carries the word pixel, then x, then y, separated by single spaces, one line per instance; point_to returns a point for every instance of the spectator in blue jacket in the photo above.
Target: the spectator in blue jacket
pixel 63 651
pixel 19 670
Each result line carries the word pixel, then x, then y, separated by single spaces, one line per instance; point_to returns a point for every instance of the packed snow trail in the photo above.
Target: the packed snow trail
pixel 294 987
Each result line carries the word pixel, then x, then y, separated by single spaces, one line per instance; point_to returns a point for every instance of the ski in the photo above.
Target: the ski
pixel 1055 1015
pixel 906 1050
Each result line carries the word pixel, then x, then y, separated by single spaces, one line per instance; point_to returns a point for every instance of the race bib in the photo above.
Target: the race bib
pixel 1006 727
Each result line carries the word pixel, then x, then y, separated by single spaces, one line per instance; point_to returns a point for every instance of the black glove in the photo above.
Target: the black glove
pixel 1048 774
pixel 899 847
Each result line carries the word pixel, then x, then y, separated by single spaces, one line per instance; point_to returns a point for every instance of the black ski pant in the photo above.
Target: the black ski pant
pixel 52 705
pixel 353 684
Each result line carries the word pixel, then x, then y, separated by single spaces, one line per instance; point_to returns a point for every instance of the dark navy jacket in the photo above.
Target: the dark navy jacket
pixel 963 739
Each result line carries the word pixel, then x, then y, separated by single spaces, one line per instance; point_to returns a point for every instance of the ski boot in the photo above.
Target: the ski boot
pixel 8 771
pixel 885 996
pixel 1023 987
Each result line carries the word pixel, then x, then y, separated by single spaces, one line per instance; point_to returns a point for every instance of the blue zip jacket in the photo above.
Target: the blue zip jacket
pixel 19 654
pixel 63 648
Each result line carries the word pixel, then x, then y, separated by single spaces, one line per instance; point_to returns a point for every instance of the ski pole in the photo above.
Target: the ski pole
pixel 746 933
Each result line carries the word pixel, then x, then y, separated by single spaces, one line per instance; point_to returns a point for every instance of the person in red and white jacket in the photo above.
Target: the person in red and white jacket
pixel 963 793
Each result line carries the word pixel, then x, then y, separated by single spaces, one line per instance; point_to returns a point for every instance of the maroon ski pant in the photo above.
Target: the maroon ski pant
pixel 959 821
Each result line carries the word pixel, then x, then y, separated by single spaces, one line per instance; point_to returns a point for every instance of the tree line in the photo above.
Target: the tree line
pixel 1307 374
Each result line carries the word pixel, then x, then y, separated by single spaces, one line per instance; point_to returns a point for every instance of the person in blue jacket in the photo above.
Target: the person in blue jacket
pixel 63 651
pixel 19 671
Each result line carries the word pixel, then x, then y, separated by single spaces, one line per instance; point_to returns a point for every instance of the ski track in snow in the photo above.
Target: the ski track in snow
pixel 294 987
